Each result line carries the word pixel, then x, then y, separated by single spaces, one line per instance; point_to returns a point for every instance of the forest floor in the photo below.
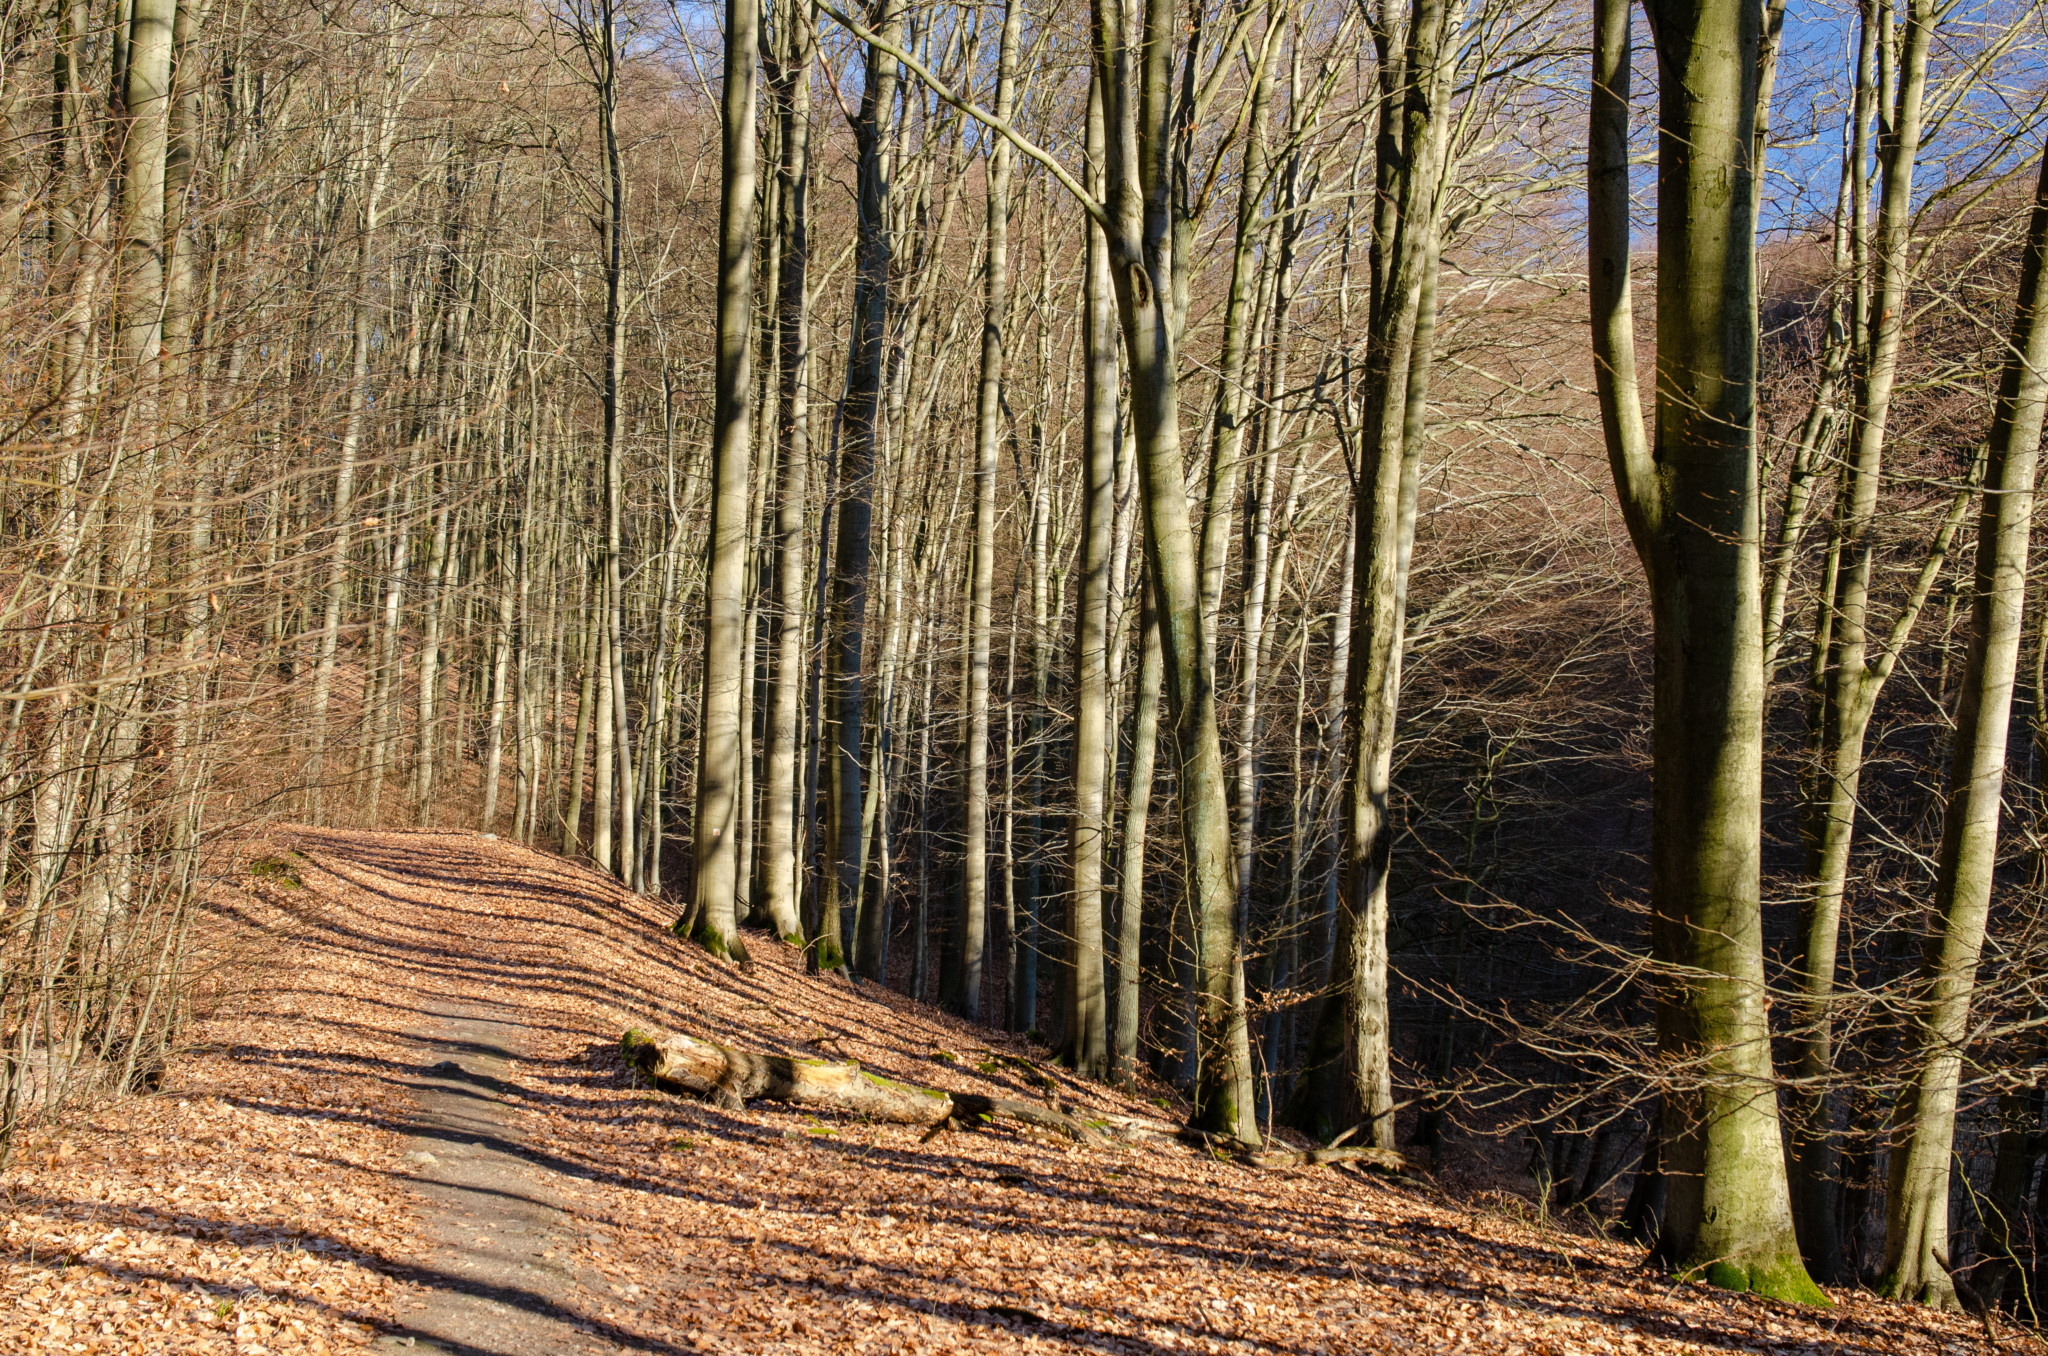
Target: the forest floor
pixel 408 1125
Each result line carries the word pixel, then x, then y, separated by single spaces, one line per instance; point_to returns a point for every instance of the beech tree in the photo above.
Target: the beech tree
pixel 1916 1206
pixel 1031 427
pixel 1690 501
pixel 718 771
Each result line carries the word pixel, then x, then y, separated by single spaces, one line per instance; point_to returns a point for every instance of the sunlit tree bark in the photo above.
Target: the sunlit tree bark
pixel 1691 509
pixel 1916 1207
pixel 716 823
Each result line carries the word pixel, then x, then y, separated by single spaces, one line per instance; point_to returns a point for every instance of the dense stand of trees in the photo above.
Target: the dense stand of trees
pixel 1092 515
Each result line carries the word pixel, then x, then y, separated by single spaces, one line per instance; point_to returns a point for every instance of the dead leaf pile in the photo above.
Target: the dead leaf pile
pixel 274 1185
pixel 250 1207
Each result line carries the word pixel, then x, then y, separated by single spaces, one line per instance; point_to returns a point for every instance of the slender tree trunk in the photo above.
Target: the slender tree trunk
pixel 872 924
pixel 1087 1013
pixel 378 135
pixel 604 731
pixel 614 750
pixel 430 665
pixel 1348 1076
pixel 501 682
pixel 586 715
pixel 860 421
pixel 1916 1206
pixel 1854 676
pixel 1137 814
pixel 963 987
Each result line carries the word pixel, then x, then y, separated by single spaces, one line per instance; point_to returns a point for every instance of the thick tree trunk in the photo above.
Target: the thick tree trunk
pixel 776 894
pixel 1692 513
pixel 704 1068
pixel 677 1062
pixel 716 823
pixel 1916 1207
pixel 1145 229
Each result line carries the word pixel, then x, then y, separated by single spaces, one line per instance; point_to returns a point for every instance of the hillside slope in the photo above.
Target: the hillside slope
pixel 275 1198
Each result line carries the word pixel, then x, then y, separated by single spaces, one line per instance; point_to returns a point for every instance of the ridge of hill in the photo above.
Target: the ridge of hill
pixel 421 1024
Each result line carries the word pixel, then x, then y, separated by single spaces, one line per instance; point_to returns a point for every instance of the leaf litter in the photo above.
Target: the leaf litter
pixel 261 1201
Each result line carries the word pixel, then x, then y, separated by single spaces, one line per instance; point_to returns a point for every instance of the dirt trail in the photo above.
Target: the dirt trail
pixel 475 951
pixel 430 1046
pixel 493 1210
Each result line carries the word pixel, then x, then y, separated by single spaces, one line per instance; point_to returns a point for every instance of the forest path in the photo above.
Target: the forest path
pixel 493 1211
pixel 474 939
pixel 431 1045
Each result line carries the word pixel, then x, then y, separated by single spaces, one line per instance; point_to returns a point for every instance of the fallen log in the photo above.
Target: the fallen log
pixel 1137 1129
pixel 969 1107
pixel 692 1066
pixel 676 1062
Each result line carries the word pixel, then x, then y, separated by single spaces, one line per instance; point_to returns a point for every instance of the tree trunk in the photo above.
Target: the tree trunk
pixel 379 131
pixel 1348 1078
pixel 777 893
pixel 144 132
pixel 1145 228
pixel 430 665
pixel 718 765
pixel 1087 1014
pixel 604 736
pixel 501 679
pixel 860 425
pixel 1916 1207
pixel 586 715
pixel 963 985
pixel 1137 813
pixel 614 751
pixel 1691 510
pixel 676 1062
pixel 1854 676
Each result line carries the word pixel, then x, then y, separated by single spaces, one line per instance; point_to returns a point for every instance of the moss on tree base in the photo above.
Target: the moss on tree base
pixel 1219 1119
pixel 1934 1291
pixel 719 944
pixel 1779 1278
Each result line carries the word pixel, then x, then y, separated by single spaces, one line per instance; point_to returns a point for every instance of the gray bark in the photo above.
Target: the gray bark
pixel 716 824
pixel 1691 510
pixel 1916 1207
